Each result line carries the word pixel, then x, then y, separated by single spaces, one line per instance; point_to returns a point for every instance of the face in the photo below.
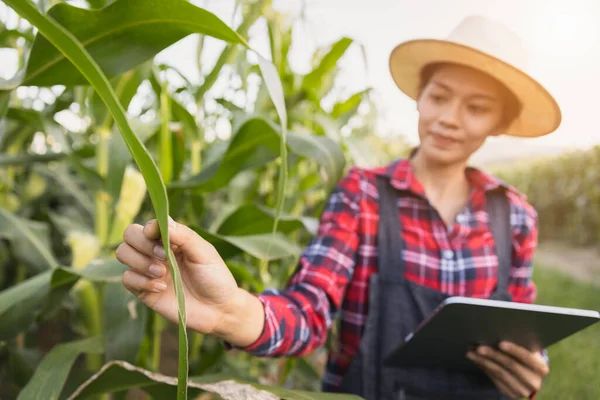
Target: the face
pixel 458 109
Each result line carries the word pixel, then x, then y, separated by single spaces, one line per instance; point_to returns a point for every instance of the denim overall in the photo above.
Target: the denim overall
pixel 397 306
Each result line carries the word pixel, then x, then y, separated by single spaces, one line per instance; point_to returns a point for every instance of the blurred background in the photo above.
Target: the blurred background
pixel 68 186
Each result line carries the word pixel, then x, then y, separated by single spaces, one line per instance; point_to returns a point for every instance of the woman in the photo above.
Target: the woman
pixel 393 241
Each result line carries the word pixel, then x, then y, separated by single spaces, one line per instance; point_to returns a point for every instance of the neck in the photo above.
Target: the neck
pixel 441 182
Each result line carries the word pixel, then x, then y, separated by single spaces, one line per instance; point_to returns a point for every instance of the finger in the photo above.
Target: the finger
pixel 496 370
pixel 151 230
pixel 135 237
pixel 505 389
pixel 192 245
pixel 140 284
pixel 528 377
pixel 502 386
pixel 139 262
pixel 533 360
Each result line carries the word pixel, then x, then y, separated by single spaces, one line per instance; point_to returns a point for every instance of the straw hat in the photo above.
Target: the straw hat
pixel 489 46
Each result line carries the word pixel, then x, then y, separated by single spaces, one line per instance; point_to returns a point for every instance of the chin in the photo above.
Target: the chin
pixel 439 156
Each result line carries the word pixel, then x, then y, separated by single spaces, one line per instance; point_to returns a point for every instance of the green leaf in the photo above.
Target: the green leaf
pixel 117 375
pixel 75 52
pixel 27 159
pixel 266 246
pixel 125 87
pixel 4 100
pixel 119 37
pixel 67 184
pixel 253 219
pixel 256 143
pixel 50 376
pixel 68 224
pixel 28 239
pixel 98 270
pixel 273 84
pixel 22 363
pixel 314 81
pixel 22 291
pixel 241 272
pixel 324 151
pixel 243 150
pixel 124 323
pixel 343 110
pixel 120 157
pixel 21 304
pixel 42 70
pixel 179 113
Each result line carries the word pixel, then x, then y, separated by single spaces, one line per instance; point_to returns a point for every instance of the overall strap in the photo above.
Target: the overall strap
pixel 498 209
pixel 389 233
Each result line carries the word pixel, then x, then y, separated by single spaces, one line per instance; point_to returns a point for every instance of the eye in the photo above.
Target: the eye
pixel 437 98
pixel 478 109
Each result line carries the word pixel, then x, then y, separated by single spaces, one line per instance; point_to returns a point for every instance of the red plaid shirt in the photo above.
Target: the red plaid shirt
pixel 334 268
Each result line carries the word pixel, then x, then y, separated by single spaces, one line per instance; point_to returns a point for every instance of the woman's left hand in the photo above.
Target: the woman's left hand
pixel 516 371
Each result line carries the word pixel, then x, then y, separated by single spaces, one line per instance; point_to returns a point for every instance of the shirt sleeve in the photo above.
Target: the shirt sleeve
pixel 525 241
pixel 298 317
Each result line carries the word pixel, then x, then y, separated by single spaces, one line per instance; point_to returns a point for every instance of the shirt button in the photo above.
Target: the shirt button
pixel 448 254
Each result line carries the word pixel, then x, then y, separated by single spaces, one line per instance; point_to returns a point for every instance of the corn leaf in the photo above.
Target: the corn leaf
pixel 324 151
pixel 124 323
pixel 51 374
pixel 315 81
pixel 24 302
pixel 71 48
pixel 119 37
pixel 50 67
pixel 4 100
pixel 117 375
pixel 28 239
pixel 253 219
pixel 67 184
pixel 271 246
pixel 256 143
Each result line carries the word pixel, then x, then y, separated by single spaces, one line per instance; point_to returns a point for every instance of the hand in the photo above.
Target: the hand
pixel 516 371
pixel 211 292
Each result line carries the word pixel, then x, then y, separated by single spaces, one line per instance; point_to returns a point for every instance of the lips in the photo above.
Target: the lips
pixel 443 140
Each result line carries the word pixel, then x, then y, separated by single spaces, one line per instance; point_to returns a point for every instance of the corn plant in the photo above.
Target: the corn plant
pixel 145 148
pixel 565 191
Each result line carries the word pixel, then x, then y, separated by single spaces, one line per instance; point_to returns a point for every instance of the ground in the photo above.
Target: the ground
pixel 580 263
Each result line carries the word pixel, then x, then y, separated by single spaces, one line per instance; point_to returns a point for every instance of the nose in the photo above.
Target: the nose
pixel 449 115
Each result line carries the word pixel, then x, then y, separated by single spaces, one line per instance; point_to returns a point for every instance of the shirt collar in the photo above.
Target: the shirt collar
pixel 401 175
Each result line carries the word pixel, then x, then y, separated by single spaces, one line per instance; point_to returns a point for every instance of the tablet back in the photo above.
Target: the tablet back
pixel 460 323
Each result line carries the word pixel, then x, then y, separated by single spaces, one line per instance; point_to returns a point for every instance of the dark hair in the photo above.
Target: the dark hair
pixel 512 106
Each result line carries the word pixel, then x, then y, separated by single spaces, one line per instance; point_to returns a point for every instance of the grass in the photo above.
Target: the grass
pixel 575 361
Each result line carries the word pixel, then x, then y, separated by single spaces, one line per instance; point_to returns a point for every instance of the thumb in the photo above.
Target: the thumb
pixel 189 243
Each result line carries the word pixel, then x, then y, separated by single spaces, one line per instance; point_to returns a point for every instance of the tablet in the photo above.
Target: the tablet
pixel 459 323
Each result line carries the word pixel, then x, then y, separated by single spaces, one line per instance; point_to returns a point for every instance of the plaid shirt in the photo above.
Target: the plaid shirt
pixel 334 269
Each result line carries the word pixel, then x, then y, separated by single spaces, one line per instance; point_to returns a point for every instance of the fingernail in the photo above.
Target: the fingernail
pixel 504 346
pixel 482 350
pixel 156 270
pixel 470 355
pixel 159 286
pixel 172 223
pixel 159 252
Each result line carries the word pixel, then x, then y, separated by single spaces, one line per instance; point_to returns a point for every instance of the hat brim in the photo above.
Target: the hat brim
pixel 540 113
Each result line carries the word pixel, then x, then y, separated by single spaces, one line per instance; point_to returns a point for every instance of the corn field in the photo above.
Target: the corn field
pixel 96 135
pixel 565 191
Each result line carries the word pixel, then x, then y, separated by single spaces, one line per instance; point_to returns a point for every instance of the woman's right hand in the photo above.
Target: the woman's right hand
pixel 214 303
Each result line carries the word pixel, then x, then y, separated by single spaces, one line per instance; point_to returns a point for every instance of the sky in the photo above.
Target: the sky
pixel 563 39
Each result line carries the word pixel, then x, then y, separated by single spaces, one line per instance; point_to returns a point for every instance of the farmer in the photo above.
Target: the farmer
pixel 393 241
